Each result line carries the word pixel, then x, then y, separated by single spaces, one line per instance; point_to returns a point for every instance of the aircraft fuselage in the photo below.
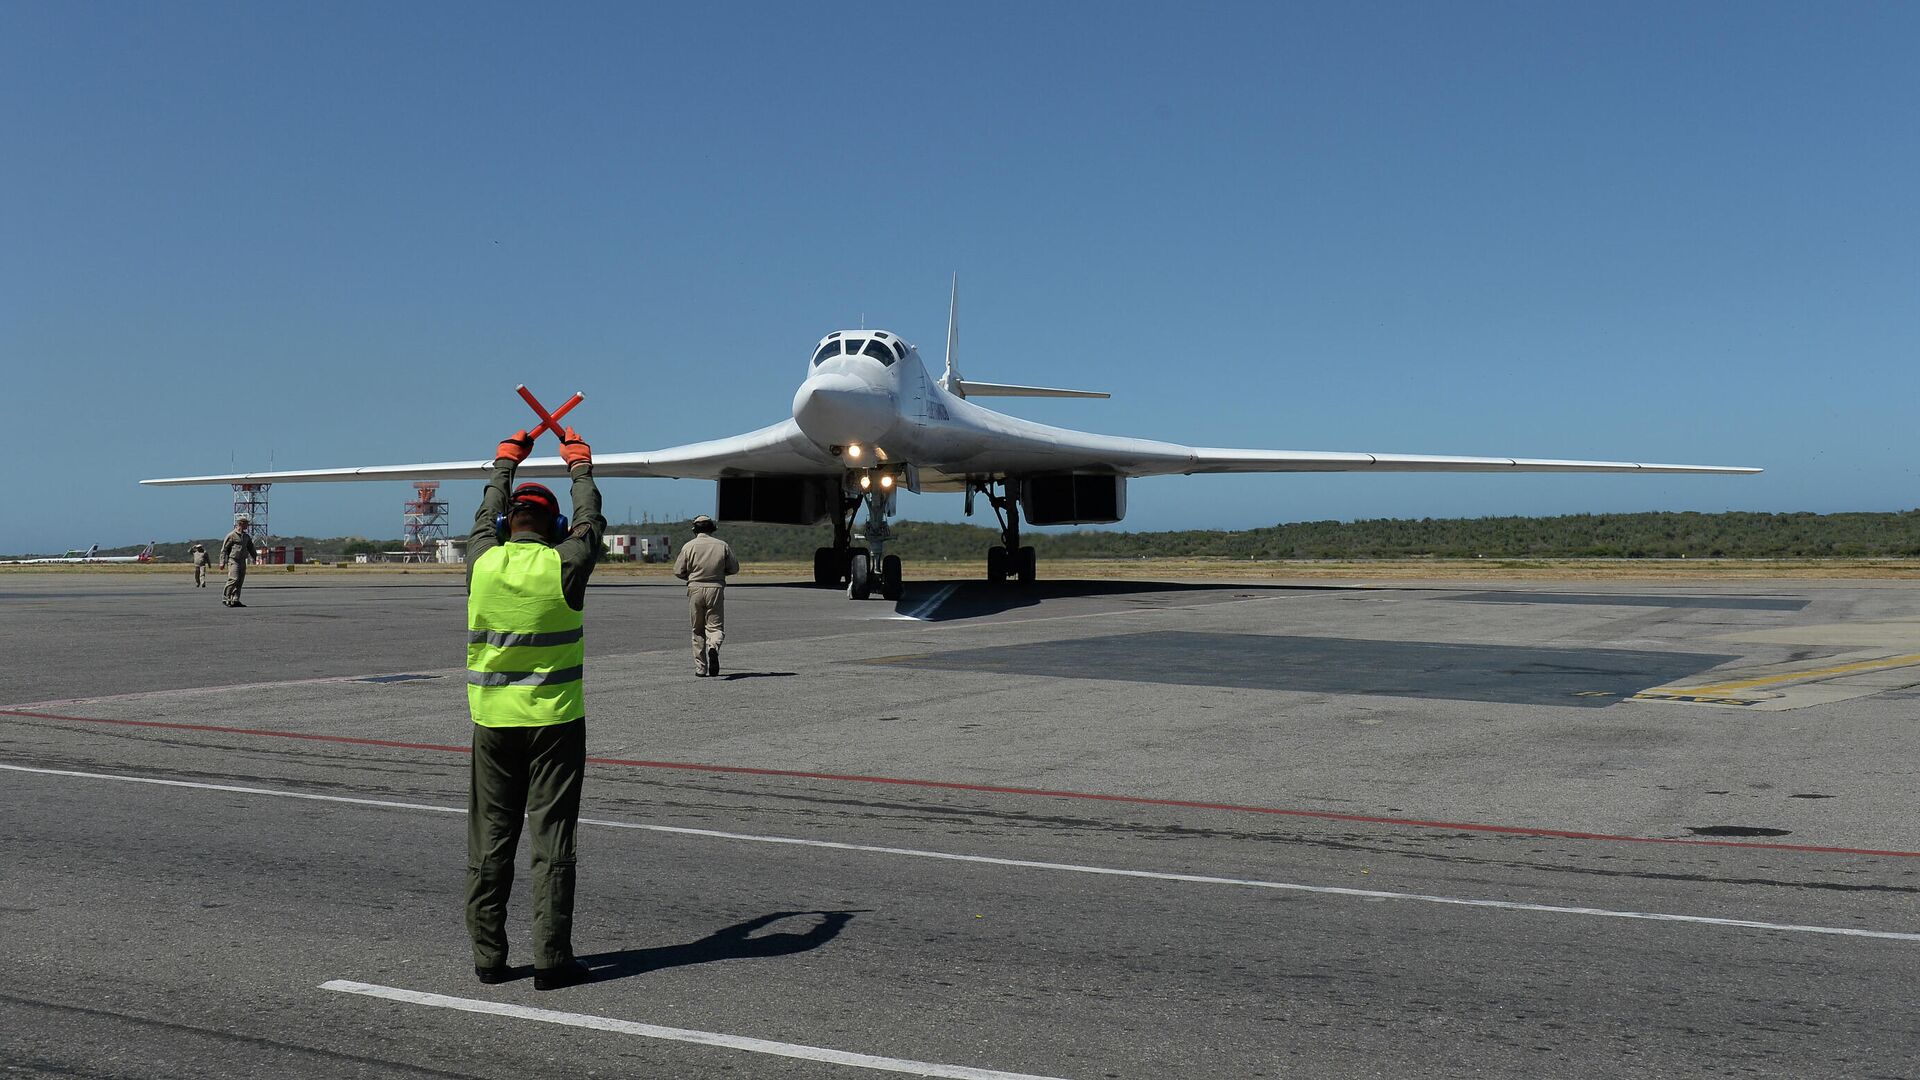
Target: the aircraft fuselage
pixel 884 413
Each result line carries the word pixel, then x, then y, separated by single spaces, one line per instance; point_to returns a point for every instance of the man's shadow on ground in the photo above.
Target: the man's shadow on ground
pixel 736 942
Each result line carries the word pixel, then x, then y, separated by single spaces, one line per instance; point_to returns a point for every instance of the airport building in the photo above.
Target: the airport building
pixel 639 548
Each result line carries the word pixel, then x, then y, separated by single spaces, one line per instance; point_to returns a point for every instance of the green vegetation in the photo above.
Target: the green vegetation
pixel 1623 536
pixel 1627 536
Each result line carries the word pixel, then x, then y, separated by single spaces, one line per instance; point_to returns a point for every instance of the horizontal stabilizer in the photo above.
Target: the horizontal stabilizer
pixel 971 389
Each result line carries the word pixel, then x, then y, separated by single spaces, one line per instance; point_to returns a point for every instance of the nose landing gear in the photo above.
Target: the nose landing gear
pixel 866 570
pixel 834 565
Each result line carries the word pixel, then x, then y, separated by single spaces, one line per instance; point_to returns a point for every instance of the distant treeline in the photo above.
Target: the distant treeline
pixel 1624 536
pixel 1628 536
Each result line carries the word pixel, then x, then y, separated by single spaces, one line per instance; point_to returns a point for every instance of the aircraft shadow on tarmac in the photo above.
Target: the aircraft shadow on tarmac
pixel 736 942
pixel 978 599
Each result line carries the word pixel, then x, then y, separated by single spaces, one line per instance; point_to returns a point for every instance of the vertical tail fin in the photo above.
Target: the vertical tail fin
pixel 951 380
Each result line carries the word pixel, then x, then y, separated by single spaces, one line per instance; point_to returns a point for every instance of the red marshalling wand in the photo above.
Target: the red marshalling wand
pixel 548 422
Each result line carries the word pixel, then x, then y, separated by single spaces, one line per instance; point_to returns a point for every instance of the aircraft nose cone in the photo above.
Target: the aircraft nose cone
pixel 836 409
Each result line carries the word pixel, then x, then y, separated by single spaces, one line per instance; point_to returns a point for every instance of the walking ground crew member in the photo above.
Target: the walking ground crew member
pixel 200 561
pixel 526 585
pixel 236 551
pixel 704 563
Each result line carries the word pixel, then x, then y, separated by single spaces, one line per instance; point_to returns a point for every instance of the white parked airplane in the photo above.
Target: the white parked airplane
pixel 868 421
pixel 91 555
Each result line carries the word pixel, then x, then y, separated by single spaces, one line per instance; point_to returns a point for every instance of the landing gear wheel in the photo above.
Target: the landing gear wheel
pixel 996 564
pixel 890 587
pixel 859 579
pixel 1026 565
pixel 826 567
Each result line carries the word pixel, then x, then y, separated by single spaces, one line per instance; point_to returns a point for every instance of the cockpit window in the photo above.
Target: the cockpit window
pixel 899 348
pixel 831 348
pixel 879 351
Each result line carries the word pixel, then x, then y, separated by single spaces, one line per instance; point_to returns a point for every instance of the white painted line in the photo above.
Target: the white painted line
pixel 192 691
pixel 1030 864
pixel 931 604
pixel 685 1035
pixel 1253 883
pixel 274 792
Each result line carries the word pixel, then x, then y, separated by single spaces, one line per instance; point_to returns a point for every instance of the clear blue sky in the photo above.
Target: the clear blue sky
pixel 332 234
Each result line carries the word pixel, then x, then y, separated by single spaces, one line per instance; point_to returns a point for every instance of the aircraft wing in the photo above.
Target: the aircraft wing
pixel 1214 460
pixel 1015 446
pixel 778 449
pixel 1144 458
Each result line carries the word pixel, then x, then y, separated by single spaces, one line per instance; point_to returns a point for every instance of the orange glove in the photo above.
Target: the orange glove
pixel 574 449
pixel 515 448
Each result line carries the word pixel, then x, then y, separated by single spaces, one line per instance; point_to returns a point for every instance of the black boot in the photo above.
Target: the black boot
pixel 493 975
pixel 713 662
pixel 571 973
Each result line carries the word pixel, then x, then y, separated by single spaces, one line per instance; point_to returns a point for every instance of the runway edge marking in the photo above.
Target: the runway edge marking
pixel 1025 864
pixel 997 789
pixel 931 604
pixel 673 1034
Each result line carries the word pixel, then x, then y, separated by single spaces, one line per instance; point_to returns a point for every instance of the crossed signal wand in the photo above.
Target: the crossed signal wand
pixel 548 422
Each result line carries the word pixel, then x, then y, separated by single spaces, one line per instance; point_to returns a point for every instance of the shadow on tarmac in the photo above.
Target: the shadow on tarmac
pixel 737 675
pixel 736 942
pixel 978 599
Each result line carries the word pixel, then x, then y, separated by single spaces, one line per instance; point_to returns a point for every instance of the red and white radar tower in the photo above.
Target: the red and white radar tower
pixel 425 522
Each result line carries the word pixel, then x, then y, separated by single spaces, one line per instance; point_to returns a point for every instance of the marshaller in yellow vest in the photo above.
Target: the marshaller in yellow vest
pixel 527 570
pixel 704 563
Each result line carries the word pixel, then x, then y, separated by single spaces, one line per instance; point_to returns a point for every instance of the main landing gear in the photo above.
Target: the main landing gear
pixel 865 570
pixel 1007 559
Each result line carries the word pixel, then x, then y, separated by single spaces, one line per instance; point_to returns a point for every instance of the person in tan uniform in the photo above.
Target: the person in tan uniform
pixel 236 551
pixel 704 563
pixel 201 560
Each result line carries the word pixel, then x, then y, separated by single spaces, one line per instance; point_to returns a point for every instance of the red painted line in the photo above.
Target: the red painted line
pixel 995 789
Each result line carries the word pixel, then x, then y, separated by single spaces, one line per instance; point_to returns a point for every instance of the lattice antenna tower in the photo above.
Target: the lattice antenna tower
pixel 251 500
pixel 425 521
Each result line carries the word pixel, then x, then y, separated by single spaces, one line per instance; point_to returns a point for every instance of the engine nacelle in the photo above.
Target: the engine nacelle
pixel 775 500
pixel 1074 499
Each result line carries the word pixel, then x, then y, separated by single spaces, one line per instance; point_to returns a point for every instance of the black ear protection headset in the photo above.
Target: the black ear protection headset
pixel 559 522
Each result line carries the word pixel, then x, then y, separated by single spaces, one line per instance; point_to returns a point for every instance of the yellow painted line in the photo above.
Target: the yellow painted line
pixel 1801 676
pixel 1696 699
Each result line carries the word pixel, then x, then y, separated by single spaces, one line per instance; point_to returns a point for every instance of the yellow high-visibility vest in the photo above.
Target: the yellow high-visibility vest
pixel 525 645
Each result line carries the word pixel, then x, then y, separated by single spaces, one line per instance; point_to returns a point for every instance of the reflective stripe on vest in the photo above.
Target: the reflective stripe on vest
pixel 525 646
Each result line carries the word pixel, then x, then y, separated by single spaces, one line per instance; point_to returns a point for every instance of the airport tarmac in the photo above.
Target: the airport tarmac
pixel 1096 830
